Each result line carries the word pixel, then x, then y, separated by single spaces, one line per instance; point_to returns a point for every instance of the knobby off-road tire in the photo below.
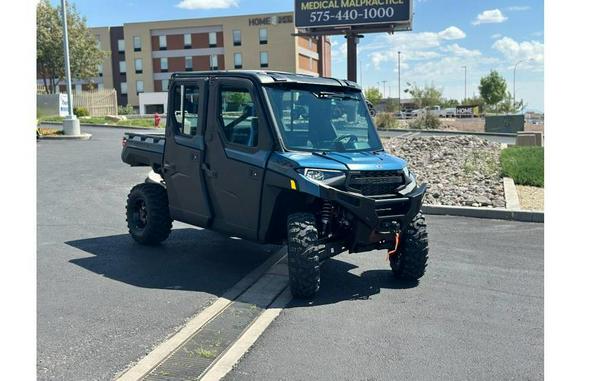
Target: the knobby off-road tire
pixel 304 264
pixel 148 215
pixel 409 262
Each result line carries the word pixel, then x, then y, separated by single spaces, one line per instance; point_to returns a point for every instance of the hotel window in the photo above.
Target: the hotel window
pixel 188 63
pixel 136 44
pixel 263 36
pixel 310 43
pixel 213 64
pixel 162 42
pixel 139 66
pixel 100 86
pixel 121 46
pixel 139 86
pixel 123 88
pixel 264 59
pixel 164 65
pixel 98 41
pixel 78 88
pixel 122 67
pixel 164 85
pixel 238 61
pixel 236 37
pixel 100 70
pixel 187 41
pixel 212 39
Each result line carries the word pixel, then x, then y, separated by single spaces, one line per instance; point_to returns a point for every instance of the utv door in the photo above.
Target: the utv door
pixel 182 161
pixel 238 144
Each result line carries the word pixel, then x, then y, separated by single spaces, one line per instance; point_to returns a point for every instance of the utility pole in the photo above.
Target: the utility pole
pixel 71 124
pixel 399 77
pixel 384 91
pixel 465 83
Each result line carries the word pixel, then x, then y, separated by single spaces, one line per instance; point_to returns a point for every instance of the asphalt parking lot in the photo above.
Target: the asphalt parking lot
pixel 104 302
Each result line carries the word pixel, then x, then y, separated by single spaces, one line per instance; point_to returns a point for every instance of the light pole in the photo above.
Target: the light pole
pixel 399 78
pixel 71 124
pixel 515 68
pixel 384 91
pixel 465 83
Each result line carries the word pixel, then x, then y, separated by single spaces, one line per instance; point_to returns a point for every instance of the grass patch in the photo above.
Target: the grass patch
pixel 205 353
pixel 525 165
pixel 139 122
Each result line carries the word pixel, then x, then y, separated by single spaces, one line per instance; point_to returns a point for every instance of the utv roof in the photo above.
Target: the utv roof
pixel 269 77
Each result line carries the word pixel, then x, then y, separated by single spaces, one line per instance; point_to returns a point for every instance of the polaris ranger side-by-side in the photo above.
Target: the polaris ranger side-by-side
pixel 277 157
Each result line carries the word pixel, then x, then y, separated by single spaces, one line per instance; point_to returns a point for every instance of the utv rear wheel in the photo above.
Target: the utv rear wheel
pixel 409 262
pixel 148 216
pixel 303 259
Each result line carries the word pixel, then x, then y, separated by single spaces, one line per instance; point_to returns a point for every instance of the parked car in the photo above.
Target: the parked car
pixel 234 158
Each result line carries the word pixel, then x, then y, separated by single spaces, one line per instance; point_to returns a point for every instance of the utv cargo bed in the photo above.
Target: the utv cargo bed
pixel 143 149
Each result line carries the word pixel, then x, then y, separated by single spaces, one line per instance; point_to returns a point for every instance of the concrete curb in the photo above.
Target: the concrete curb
pixel 491 213
pixel 65 137
pixel 447 132
pixel 103 125
pixel 511 196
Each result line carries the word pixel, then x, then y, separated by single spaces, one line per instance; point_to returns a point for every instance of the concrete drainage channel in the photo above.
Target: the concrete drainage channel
pixel 211 343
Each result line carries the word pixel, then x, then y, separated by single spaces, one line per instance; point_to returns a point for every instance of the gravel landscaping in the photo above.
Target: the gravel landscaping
pixel 459 170
pixel 531 198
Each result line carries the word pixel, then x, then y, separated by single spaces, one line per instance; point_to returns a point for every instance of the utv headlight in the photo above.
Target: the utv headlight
pixel 410 180
pixel 320 174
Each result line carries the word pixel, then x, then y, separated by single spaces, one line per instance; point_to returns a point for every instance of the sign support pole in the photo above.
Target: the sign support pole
pixel 351 56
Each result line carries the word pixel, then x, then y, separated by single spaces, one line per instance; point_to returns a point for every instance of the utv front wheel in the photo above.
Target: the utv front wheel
pixel 303 259
pixel 409 261
pixel 148 216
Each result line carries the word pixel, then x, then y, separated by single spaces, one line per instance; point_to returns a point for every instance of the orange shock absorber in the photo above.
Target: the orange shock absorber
pixel 391 252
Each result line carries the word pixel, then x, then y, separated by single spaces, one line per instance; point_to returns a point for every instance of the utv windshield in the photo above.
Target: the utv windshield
pixel 313 118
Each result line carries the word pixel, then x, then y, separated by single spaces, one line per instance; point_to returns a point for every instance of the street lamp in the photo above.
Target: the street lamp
pixel 71 124
pixel 399 77
pixel 515 68
pixel 465 84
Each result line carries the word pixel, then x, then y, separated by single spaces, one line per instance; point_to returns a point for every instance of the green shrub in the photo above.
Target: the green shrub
pixel 425 121
pixel 386 120
pixel 81 111
pixel 125 110
pixel 525 165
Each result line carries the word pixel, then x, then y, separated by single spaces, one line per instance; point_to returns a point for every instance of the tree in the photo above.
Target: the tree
pixel 85 55
pixel 449 103
pixel 509 106
pixel 493 88
pixel 373 95
pixel 426 96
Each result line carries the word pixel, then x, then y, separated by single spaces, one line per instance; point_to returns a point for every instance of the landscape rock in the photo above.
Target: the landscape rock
pixel 459 170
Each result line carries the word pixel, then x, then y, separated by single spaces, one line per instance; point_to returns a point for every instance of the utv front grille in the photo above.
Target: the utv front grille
pixel 374 183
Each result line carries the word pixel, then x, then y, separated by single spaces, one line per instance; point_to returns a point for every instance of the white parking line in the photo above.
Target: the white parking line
pixel 165 349
pixel 225 363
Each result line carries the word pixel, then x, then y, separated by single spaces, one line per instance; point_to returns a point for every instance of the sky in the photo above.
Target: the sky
pixel 446 35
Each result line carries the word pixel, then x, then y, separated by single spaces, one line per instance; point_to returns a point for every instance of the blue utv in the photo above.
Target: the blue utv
pixel 277 158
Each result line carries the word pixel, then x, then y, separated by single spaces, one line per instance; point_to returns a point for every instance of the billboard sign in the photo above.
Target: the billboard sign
pixel 321 14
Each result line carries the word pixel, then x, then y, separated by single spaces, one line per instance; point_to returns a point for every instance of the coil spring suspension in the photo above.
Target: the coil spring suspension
pixel 326 212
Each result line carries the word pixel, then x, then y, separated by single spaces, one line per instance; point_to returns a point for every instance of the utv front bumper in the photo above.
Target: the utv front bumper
pixel 376 219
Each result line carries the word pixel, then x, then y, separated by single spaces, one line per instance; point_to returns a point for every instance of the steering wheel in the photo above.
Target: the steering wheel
pixel 351 139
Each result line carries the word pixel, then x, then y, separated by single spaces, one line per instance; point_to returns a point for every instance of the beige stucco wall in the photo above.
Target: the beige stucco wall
pixel 104 41
pixel 281 45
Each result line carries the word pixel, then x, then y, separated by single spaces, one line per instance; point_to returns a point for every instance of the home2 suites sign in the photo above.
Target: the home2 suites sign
pixel 334 13
pixel 271 20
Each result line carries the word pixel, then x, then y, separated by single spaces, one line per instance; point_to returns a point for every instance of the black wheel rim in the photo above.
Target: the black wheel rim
pixel 139 215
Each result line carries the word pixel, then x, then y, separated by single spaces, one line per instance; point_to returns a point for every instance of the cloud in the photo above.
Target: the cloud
pixel 459 51
pixel 423 40
pixel 207 4
pixel 518 8
pixel 452 33
pixel 491 16
pixel 525 50
pixel 496 36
